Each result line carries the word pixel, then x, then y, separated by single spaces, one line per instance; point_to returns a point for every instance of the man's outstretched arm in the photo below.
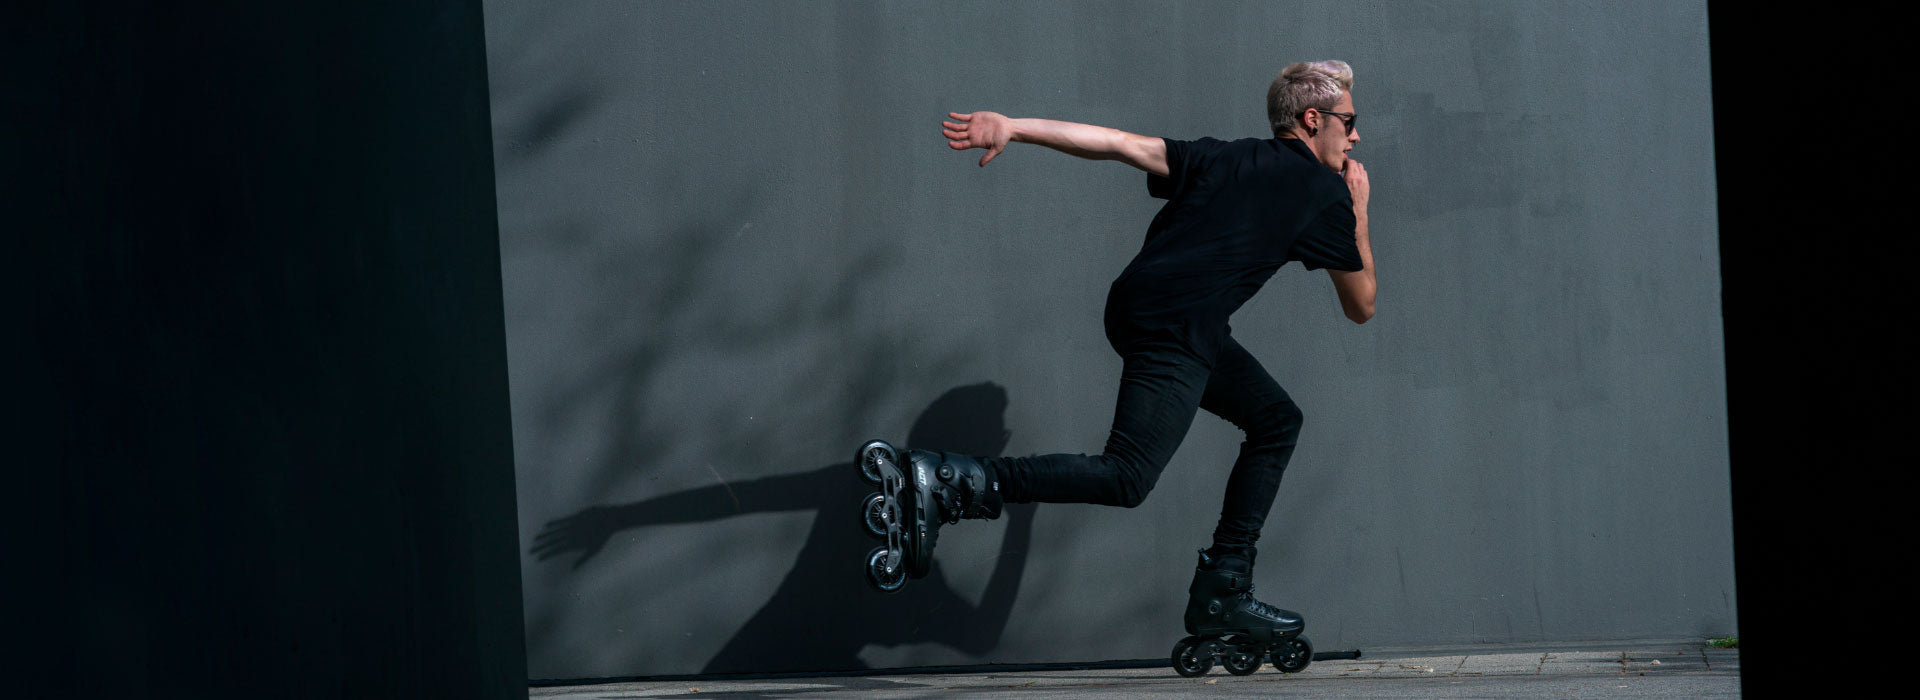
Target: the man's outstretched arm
pixel 993 131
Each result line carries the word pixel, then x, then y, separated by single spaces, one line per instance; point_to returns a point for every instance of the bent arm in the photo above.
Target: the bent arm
pixel 1147 153
pixel 1357 288
pixel 977 629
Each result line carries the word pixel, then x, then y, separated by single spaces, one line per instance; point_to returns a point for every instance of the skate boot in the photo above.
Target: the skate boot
pixel 915 498
pixel 1228 625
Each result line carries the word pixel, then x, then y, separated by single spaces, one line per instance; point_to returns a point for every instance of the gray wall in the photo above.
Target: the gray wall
pixel 734 245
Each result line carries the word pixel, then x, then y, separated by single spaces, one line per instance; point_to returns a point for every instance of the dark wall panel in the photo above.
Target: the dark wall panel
pixel 265 375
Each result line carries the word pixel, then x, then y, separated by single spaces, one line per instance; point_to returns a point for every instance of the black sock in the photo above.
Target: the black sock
pixel 1219 551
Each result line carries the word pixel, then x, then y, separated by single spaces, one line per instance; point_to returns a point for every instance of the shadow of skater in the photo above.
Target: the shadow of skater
pixel 824 613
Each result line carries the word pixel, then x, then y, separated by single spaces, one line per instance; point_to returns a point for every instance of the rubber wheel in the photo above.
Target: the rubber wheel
pixel 873 515
pixel 877 572
pixel 1243 663
pixel 1293 655
pixel 1186 663
pixel 867 458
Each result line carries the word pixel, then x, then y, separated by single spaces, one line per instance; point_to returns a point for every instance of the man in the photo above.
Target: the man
pixel 1235 212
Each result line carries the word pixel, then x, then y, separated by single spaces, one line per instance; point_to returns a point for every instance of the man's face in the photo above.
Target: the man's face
pixel 1335 137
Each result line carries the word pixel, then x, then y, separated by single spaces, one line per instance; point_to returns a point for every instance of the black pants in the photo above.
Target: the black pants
pixel 1163 384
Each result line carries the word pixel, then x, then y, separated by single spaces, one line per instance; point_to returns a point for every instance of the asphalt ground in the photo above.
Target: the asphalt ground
pixel 1646 669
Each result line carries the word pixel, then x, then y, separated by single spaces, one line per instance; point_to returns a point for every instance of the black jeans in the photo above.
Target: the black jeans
pixel 1163 384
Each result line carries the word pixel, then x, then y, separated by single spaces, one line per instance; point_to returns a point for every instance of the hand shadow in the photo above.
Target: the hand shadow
pixel 824 612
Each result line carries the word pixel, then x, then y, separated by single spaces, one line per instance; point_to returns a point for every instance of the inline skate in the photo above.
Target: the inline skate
pixel 1227 625
pixel 917 495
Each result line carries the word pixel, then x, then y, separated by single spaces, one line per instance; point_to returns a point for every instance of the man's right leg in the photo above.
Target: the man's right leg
pixel 1160 390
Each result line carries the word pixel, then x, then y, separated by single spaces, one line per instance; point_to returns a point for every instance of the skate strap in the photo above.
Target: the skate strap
pixel 1260 607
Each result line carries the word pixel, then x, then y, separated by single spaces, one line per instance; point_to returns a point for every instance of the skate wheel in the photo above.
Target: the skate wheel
pixel 1186 662
pixel 873 515
pixel 868 457
pixel 1243 660
pixel 877 575
pixel 1293 655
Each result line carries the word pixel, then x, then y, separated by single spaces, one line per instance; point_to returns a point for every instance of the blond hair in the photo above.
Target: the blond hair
pixel 1302 86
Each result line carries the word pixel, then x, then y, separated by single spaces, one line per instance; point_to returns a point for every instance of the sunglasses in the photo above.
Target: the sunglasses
pixel 1347 119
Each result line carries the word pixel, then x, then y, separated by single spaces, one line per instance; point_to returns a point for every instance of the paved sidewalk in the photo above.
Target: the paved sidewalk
pixel 1628 670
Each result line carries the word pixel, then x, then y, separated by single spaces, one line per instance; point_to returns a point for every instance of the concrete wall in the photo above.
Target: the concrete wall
pixel 734 245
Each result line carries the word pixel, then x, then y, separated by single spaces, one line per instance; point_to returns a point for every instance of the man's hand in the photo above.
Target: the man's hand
pixel 1356 175
pixel 988 130
pixel 585 532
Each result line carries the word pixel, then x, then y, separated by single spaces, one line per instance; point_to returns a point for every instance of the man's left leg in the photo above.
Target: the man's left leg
pixel 1241 391
pixel 1220 600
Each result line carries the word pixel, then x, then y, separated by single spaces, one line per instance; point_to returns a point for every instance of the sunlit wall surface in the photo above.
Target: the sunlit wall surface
pixel 735 245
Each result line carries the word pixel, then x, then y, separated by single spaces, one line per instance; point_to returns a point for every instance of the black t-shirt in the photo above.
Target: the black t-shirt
pixel 1236 211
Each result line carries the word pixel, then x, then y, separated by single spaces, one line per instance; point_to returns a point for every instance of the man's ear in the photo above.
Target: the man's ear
pixel 1312 117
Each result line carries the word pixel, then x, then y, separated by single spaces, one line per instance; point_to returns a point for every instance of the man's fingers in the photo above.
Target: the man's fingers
pixel 956 127
pixel 955 135
pixel 961 117
pixel 991 152
pixel 957 145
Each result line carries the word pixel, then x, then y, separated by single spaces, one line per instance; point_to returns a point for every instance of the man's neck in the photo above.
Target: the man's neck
pixel 1304 141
